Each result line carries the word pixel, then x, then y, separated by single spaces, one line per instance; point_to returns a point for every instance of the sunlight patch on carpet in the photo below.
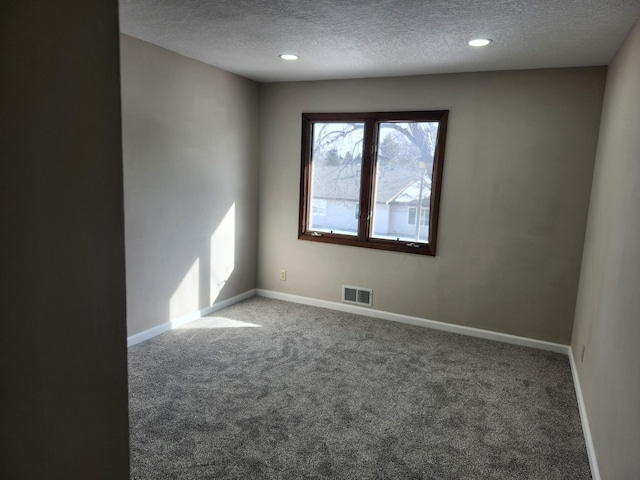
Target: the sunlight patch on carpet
pixel 217 322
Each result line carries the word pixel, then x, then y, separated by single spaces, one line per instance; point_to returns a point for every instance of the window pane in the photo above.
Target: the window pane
pixel 403 180
pixel 424 217
pixel 336 165
pixel 412 216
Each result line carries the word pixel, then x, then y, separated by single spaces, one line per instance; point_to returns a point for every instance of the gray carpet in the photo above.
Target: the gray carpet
pixel 317 394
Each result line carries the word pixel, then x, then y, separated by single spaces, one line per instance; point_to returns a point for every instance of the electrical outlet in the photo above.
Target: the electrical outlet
pixel 283 275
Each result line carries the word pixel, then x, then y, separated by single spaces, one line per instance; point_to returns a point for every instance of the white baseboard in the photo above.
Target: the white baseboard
pixel 343 307
pixel 588 440
pixel 421 322
pixel 178 322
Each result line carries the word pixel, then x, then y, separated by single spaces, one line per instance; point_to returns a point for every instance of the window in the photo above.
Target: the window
pixel 413 211
pixel 318 207
pixel 385 167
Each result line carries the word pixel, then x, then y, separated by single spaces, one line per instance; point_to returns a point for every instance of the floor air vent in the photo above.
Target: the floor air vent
pixel 357 295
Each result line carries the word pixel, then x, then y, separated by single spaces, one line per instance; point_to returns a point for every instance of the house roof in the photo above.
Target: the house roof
pixel 394 185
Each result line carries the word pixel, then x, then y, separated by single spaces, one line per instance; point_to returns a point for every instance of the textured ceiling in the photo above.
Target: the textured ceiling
pixel 368 38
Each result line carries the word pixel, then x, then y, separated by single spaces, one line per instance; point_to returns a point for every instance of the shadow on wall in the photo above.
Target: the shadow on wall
pixel 189 134
pixel 208 275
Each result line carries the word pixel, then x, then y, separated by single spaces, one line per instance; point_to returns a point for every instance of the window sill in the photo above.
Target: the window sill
pixel 375 243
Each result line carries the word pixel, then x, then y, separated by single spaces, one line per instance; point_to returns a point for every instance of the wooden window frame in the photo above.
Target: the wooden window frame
pixel 367 183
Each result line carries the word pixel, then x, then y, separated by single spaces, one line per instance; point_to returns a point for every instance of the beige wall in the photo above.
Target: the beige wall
pixel 607 320
pixel 517 176
pixel 63 400
pixel 190 183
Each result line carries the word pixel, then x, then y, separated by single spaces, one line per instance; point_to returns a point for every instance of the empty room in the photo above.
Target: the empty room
pixel 295 239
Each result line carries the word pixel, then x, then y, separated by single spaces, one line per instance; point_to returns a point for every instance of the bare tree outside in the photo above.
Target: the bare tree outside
pixel 335 176
pixel 404 167
pixel 405 154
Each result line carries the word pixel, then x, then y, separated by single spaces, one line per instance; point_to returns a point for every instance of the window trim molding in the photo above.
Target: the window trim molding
pixel 371 120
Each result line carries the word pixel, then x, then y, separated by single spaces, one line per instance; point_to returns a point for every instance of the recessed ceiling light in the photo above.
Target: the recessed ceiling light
pixel 480 42
pixel 289 56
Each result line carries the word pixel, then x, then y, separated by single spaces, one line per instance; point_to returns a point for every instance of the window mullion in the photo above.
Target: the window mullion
pixel 366 184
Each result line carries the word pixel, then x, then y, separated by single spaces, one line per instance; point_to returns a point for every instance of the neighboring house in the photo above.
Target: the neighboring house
pixel 335 201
